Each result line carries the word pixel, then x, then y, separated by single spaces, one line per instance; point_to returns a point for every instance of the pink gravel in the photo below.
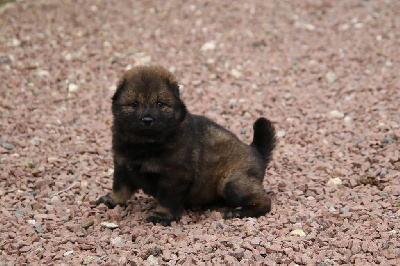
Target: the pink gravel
pixel 325 72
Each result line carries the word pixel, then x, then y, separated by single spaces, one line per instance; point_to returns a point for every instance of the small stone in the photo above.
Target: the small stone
pixel 211 45
pixel 196 82
pixel 42 73
pixel 388 139
pixel 331 207
pixel 109 225
pixel 88 223
pixel 255 241
pixel 15 42
pixel 110 171
pixel 344 27
pixel 329 261
pixel 52 159
pixel 280 134
pixel 336 114
pixel 72 87
pixel 68 253
pixel 310 27
pixel 39 229
pixel 345 209
pixel 347 119
pixel 117 242
pixel 236 73
pixel 330 77
pixel 152 260
pixel 32 222
pixel 336 181
pixel 287 96
pixel 275 69
pixel 20 213
pixel 7 146
pixel 87 260
pixel 384 195
pixel 25 248
pixel 112 88
pixel 298 232
pixel 359 25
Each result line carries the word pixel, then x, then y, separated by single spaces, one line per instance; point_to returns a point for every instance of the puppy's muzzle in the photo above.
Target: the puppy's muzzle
pixel 147 120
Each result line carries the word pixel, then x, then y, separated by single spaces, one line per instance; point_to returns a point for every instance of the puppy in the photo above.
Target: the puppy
pixel 183 160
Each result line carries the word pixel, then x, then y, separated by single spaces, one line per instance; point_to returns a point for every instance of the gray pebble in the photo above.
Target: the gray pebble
pixel 20 213
pixel 39 229
pixel 7 146
pixel 345 209
pixel 384 195
pixel 388 139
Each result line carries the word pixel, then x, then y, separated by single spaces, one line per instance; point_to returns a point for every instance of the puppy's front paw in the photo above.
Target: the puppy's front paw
pixel 106 200
pixel 234 213
pixel 156 219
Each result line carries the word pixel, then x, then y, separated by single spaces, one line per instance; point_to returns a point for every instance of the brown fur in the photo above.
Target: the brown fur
pixel 183 160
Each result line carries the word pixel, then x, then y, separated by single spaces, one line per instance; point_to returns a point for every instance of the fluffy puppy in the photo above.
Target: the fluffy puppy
pixel 183 160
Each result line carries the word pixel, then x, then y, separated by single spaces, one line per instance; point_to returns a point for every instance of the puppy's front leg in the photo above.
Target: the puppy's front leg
pixel 170 196
pixel 122 188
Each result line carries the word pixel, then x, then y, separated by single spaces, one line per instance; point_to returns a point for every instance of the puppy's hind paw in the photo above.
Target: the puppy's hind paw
pixel 233 213
pixel 106 200
pixel 155 219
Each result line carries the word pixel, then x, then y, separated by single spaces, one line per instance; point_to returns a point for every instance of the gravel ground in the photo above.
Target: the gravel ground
pixel 325 72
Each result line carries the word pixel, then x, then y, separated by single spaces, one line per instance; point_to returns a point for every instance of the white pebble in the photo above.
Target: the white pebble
pixel 109 225
pixel 236 73
pixel 280 134
pixel 72 87
pixel 52 159
pixel 336 114
pixel 335 180
pixel 152 260
pixel 347 119
pixel 330 77
pixel 287 96
pixel 298 232
pixel 344 27
pixel 68 253
pixel 359 25
pixel 211 45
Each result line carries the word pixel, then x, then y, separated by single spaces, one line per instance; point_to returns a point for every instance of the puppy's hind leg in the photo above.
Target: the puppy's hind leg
pixel 122 189
pixel 245 197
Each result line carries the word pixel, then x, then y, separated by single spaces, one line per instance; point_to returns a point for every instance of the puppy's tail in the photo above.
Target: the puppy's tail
pixel 264 138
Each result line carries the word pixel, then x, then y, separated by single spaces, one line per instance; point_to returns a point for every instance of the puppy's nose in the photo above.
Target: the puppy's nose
pixel 147 120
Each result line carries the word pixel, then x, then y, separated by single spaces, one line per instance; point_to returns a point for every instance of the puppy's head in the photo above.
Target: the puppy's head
pixel 147 105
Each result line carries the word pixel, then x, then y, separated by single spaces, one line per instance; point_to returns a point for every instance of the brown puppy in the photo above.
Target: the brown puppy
pixel 183 160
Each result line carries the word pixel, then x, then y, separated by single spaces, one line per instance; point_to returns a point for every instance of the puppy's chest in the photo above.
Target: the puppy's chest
pixel 144 164
pixel 151 165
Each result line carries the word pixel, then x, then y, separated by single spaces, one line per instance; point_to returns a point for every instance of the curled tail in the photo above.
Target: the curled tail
pixel 264 138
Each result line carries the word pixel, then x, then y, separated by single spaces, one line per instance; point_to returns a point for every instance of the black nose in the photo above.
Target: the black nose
pixel 147 120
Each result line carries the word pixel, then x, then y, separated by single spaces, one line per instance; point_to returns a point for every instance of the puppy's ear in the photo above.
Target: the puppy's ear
pixel 177 92
pixel 120 86
pixel 174 86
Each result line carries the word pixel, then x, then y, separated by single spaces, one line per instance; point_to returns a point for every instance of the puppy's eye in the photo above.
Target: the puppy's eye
pixel 135 104
pixel 160 105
